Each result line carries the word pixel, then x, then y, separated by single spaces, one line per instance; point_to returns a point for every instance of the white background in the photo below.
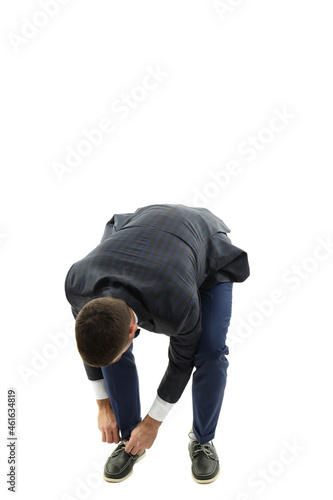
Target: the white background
pixel 224 75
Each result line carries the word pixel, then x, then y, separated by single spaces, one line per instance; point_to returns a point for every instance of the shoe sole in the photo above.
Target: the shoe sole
pixel 206 481
pixel 112 480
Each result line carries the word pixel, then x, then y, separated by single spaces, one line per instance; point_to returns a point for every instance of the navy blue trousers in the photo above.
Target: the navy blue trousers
pixel 209 377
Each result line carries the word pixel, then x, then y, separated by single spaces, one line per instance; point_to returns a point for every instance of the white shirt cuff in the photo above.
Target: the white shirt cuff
pixel 160 409
pixel 99 388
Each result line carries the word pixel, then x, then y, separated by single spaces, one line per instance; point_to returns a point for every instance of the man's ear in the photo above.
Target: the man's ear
pixel 132 331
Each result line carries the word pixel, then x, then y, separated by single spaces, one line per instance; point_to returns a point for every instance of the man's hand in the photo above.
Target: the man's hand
pixel 107 423
pixel 143 436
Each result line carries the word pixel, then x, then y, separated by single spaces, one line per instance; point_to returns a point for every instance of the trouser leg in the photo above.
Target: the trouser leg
pixel 209 378
pixel 122 383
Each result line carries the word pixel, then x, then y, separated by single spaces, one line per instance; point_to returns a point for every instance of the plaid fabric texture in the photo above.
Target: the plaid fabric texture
pixel 156 259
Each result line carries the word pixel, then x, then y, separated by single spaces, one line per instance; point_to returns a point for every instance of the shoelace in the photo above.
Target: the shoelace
pixel 202 447
pixel 119 448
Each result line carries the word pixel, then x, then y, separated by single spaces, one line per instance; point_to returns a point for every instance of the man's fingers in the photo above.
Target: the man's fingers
pixel 136 451
pixel 129 447
pixel 133 449
pixel 116 437
pixel 108 432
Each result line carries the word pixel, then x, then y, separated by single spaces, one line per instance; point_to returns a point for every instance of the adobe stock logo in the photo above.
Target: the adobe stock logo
pixel 249 148
pixel 294 278
pixel 3 236
pixel 86 487
pixel 224 7
pixel 31 27
pixel 42 357
pixel 122 107
pixel 267 474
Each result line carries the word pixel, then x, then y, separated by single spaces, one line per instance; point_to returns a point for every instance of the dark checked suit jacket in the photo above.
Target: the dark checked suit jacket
pixel 156 259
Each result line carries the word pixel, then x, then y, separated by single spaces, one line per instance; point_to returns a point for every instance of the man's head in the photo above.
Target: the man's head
pixel 104 329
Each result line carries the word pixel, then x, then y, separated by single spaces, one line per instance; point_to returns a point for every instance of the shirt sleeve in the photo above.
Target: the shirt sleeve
pixel 160 409
pixel 99 389
pixel 181 356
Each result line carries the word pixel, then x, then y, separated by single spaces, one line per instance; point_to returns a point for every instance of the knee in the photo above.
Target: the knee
pixel 212 355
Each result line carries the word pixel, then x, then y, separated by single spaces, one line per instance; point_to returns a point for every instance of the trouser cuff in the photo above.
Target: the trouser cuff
pixel 203 439
pixel 126 433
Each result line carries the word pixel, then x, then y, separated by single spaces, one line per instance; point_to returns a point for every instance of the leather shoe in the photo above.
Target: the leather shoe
pixel 205 462
pixel 119 465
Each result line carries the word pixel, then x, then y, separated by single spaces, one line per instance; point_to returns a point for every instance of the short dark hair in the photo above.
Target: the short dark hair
pixel 102 330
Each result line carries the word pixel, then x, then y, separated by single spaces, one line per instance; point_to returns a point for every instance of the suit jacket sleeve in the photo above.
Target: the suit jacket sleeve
pixel 117 221
pixel 181 357
pixel 93 373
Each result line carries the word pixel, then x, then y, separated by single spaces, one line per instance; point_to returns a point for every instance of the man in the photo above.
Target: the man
pixel 168 269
